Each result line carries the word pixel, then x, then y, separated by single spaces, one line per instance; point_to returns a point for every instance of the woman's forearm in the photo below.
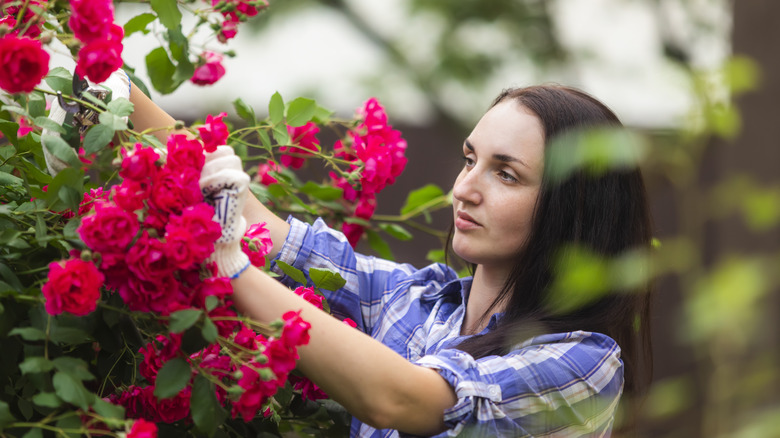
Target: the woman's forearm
pixel 147 115
pixel 371 381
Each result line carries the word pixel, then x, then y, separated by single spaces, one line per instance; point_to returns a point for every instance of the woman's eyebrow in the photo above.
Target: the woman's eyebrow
pixel 498 157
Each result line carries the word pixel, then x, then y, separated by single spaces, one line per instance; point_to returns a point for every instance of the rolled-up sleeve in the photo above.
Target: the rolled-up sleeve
pixel 566 388
pixel 368 279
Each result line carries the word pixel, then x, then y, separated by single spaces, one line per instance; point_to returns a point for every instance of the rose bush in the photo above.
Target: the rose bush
pixel 112 319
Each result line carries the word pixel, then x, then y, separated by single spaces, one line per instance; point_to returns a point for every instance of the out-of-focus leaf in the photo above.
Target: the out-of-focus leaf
pixel 97 137
pixel 183 319
pixel 397 231
pixel 138 24
pixel 594 151
pixel 322 192
pixel 47 123
pixel 583 277
pixel 209 331
pixel 36 364
pixel 6 417
pixel 107 409
pixel 28 333
pixel 420 197
pixel 742 74
pixel 168 12
pixel 161 70
pixel 207 413
pixel 73 366
pixel 379 245
pixel 47 399
pixel 669 397
pixel 244 111
pixel 325 279
pixel 60 79
pixel 121 107
pixel 292 272
pixel 172 378
pixel 60 149
pixel 276 108
pixel 72 390
pixel 300 111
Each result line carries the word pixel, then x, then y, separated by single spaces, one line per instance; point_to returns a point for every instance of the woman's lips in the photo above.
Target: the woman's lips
pixel 465 222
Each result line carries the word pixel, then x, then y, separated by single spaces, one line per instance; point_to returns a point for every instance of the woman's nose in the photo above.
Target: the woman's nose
pixel 466 188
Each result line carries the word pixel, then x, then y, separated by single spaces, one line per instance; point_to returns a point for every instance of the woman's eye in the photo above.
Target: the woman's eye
pixel 469 162
pixel 505 176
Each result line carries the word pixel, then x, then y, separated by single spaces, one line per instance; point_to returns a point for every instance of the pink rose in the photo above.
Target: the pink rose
pixel 23 64
pixel 210 69
pixel 257 243
pixel 308 389
pixel 224 327
pixel 184 153
pixel 149 259
pixel 176 189
pixel 305 138
pixel 353 232
pixel 24 128
pixel 139 164
pixel 109 228
pixel 228 30
pixel 91 20
pixel 113 266
pixel 130 194
pixel 256 392
pixel 214 133
pixel 350 322
pixel 190 236
pixel 32 29
pixel 91 197
pixel 295 331
pixel 263 176
pixel 308 294
pixel 156 356
pixel 163 295
pixel 143 429
pixel 73 288
pixel 365 206
pixel 98 59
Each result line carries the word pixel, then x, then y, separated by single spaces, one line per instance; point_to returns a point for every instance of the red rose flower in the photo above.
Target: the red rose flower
pixel 139 164
pixel 184 153
pixel 257 243
pixel 176 189
pixel 143 429
pixel 263 176
pixel 210 70
pixel 295 331
pixel 98 59
pixel 23 64
pixel 108 229
pixel 73 288
pixel 91 20
pixel 214 133
pixel 305 138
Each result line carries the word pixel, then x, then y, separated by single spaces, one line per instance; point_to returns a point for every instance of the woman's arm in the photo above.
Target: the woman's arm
pixel 375 384
pixel 148 115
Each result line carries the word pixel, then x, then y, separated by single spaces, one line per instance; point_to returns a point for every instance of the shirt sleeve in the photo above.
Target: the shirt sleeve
pixel 369 280
pixel 561 389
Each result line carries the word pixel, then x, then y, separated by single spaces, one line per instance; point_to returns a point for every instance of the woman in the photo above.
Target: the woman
pixel 486 355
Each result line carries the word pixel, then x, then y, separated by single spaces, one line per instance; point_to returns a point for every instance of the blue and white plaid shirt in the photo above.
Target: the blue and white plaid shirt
pixel 554 385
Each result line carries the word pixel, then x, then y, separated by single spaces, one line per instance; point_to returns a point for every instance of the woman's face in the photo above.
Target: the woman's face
pixel 495 193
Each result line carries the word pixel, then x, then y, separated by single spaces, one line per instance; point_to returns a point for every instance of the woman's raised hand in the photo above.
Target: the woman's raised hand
pixel 225 185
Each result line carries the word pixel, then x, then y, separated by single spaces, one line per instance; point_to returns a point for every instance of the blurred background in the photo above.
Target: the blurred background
pixel 698 78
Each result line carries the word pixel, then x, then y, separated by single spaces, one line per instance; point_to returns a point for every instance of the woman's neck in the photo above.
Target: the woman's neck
pixel 485 287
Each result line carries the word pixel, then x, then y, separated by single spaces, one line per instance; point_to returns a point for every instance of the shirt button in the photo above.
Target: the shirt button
pixel 494 391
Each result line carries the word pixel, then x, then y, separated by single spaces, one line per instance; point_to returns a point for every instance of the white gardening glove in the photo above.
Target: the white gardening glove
pixel 225 185
pixel 118 83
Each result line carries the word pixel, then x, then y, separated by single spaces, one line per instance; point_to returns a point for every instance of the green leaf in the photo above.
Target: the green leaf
pixel 6 179
pixel 138 24
pixel 97 137
pixel 113 121
pixel 73 366
pixel 183 319
pixel 8 275
pixel 209 331
pixel 281 135
pixel 107 409
pixel 435 256
pixel 40 230
pixel 161 70
pixel 396 231
pixel 325 279
pixel 207 413
pixel 28 333
pixel 172 378
pixel 6 417
pixel 211 303
pixel 33 433
pixel 244 111
pixel 121 107
pixel 379 245
pixel 420 197
pixel 36 364
pixel 70 336
pixel 321 115
pixel 60 149
pixel 69 231
pixel 168 12
pixel 60 79
pixel 321 192
pixel 300 111
pixel 47 400
pixel 36 104
pixel 72 390
pixel 276 108
pixel 292 272
pixel 47 123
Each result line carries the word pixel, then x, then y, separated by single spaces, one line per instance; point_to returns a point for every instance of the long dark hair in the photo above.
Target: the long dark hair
pixel 606 213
